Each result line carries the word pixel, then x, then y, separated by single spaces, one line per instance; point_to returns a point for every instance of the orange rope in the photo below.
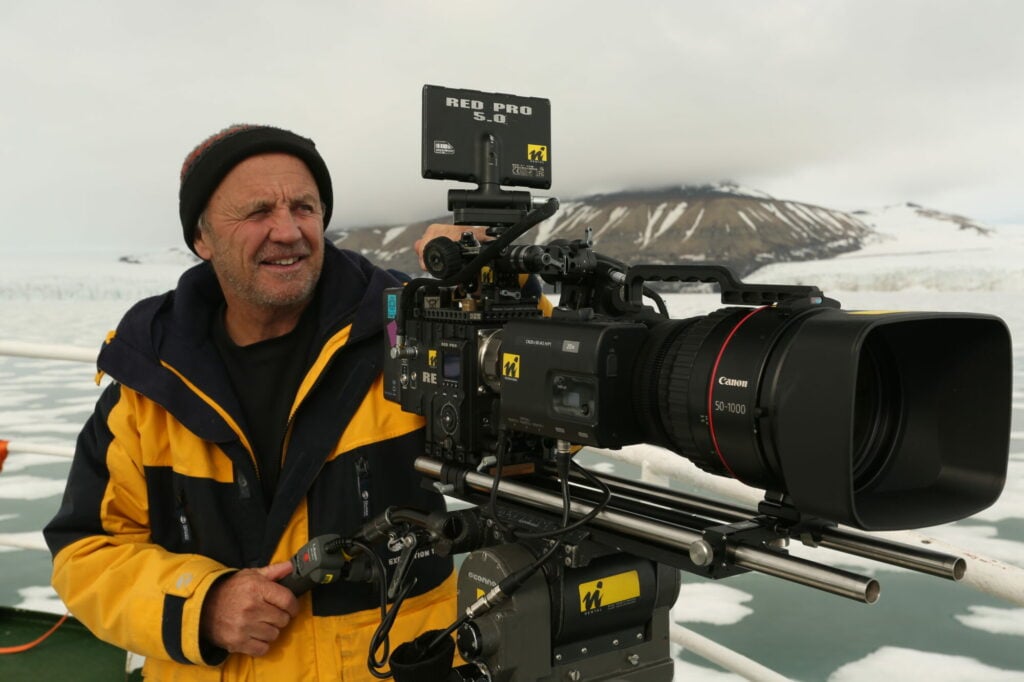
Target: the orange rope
pixel 25 647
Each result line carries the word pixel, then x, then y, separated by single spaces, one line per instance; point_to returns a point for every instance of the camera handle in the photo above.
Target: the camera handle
pixel 327 559
pixel 734 291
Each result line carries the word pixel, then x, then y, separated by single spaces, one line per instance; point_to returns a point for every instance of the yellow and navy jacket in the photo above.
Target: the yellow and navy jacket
pixel 163 496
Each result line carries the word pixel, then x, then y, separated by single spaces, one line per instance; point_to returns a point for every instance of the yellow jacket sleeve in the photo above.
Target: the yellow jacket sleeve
pixel 124 588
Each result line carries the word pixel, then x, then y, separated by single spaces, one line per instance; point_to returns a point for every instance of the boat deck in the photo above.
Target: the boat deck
pixel 70 653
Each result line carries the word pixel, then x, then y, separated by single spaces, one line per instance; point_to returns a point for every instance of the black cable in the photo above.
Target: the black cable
pixel 519 577
pixel 582 521
pixel 372 664
pixel 610 267
pixel 492 503
pixel 381 636
pixel 448 632
pixel 513 581
pixel 658 300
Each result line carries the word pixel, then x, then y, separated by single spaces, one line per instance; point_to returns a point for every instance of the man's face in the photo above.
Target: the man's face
pixel 264 235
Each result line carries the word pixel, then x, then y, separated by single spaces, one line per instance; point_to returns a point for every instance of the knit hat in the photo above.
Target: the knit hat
pixel 207 165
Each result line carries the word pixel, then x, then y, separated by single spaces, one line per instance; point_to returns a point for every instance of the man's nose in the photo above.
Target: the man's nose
pixel 284 226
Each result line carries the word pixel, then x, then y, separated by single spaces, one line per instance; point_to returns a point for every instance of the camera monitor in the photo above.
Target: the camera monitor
pixel 459 126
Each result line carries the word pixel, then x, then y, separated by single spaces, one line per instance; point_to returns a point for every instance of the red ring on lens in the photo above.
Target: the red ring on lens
pixel 711 386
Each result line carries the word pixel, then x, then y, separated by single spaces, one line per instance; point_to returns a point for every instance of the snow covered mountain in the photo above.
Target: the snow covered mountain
pixel 915 248
pixel 723 223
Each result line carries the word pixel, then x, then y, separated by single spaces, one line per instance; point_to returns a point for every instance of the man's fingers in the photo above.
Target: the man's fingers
pixel 453 232
pixel 277 617
pixel 281 598
pixel 264 632
pixel 252 647
pixel 254 637
pixel 258 648
pixel 276 594
pixel 276 571
pixel 249 607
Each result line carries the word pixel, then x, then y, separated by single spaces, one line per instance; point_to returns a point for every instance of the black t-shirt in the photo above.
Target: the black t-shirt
pixel 266 377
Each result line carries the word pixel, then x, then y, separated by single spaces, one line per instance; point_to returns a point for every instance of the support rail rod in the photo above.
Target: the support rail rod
pixel 923 560
pixel 982 573
pixel 836 581
pixel 919 559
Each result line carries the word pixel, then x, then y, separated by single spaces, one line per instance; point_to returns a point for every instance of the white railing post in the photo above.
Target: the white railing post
pixel 48 351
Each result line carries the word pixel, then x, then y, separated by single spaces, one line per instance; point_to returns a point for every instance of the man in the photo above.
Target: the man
pixel 245 417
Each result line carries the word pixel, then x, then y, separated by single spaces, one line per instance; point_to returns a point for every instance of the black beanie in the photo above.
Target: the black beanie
pixel 214 157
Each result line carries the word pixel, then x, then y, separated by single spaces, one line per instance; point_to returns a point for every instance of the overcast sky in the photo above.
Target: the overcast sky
pixel 849 104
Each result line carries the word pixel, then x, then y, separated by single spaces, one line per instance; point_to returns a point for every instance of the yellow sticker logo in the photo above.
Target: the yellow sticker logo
pixel 537 152
pixel 479 593
pixel 510 366
pixel 431 358
pixel 604 592
pixel 486 275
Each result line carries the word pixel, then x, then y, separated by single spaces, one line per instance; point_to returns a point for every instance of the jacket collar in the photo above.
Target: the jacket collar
pixel 165 340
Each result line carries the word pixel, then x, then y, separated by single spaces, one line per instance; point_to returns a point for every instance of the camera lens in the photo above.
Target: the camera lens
pixel 855 417
pixel 706 378
pixel 876 413
pixel 700 378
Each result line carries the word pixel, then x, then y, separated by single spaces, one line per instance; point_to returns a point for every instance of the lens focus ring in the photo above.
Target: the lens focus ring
pixel 683 383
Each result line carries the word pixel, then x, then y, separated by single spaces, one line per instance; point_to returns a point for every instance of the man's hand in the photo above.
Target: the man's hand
pixel 247 611
pixel 453 232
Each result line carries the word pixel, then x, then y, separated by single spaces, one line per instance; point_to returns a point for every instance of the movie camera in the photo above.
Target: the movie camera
pixel 873 419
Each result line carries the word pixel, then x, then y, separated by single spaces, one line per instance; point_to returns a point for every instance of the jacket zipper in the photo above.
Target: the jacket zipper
pixel 363 485
pixel 243 483
pixel 186 527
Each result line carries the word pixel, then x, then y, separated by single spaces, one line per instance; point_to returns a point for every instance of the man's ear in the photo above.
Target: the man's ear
pixel 201 247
